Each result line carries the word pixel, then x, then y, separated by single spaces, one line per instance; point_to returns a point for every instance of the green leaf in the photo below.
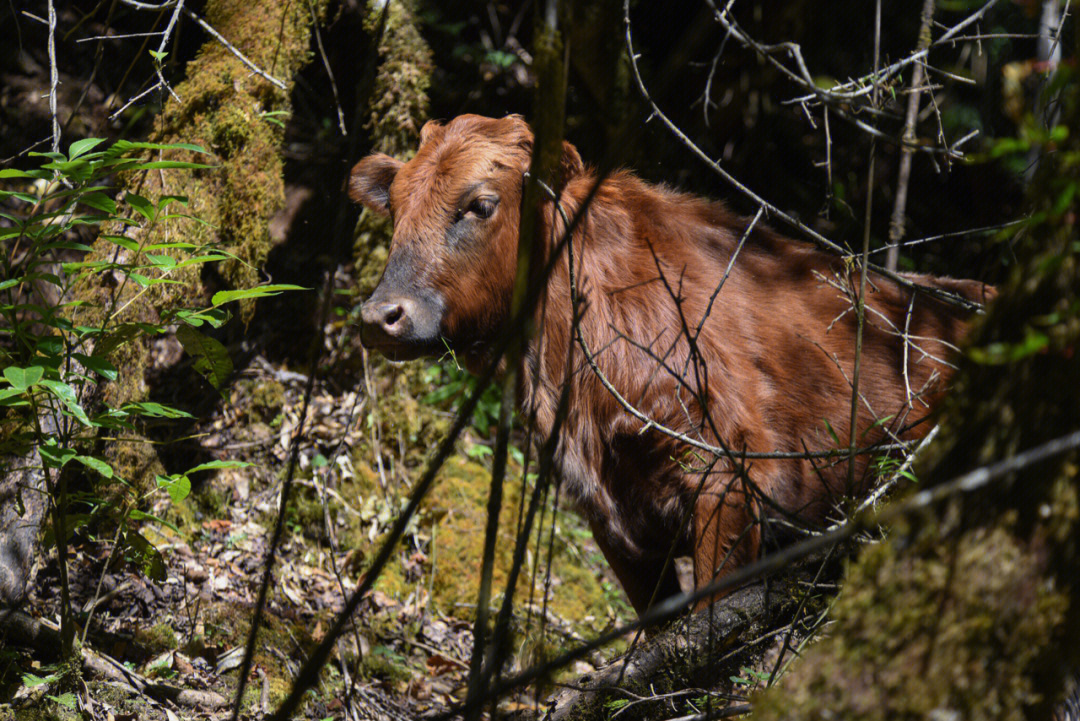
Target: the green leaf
pixel 81 147
pixel 66 395
pixel 12 397
pixel 143 553
pixel 832 433
pixel 50 346
pixel 30 680
pixel 161 261
pixel 212 360
pixel 96 464
pixel 154 410
pixel 53 456
pixel 144 207
pixel 99 201
pixel 177 486
pixel 22 378
pixel 137 515
pixel 215 317
pixel 99 365
pixel 228 296
pixel 120 147
pixel 478 451
pixel 200 259
pixel 13 173
pixel 67 700
pixel 166 200
pixel 216 464
pixel 166 164
pixel 126 243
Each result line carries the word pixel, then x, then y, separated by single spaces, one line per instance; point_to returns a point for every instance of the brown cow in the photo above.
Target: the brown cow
pixel 768 371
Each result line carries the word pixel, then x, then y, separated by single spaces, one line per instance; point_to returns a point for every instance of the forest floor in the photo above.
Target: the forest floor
pixel 184 625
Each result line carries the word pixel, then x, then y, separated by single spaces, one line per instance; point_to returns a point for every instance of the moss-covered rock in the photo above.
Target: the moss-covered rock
pixel 947 627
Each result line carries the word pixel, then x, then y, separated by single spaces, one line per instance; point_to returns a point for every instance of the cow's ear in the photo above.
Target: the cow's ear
pixel 430 129
pixel 370 179
pixel 570 164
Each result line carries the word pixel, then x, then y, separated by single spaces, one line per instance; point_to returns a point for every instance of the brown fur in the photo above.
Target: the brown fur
pixel 774 356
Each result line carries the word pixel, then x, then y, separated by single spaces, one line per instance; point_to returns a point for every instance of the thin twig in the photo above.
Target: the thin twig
pixel 54 78
pixel 161 49
pixel 125 36
pixel 211 31
pixel 232 49
pixel 896 224
pixel 329 71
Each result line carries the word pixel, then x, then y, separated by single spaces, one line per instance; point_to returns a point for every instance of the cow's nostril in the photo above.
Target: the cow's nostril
pixel 392 314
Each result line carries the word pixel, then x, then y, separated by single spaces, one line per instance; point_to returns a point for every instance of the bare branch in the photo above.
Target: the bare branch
pixel 817 237
pixel 896 224
pixel 165 36
pixel 232 49
pixel 53 78
pixel 179 5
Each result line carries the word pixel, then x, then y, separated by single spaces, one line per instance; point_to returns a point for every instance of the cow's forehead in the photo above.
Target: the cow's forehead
pixel 445 166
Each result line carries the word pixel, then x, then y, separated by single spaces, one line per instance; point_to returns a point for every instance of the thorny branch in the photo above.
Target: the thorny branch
pixel 817 237
pixel 896 225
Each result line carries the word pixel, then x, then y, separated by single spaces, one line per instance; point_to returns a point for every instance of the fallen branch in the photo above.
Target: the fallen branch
pixel 699 650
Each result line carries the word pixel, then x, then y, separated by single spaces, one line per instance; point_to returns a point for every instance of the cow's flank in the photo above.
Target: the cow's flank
pixel 764 366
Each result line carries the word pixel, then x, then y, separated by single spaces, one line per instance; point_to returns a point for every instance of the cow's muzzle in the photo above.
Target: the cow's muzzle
pixel 400 327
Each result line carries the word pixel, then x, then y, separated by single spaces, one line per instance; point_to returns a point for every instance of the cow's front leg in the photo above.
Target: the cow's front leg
pixel 639 574
pixel 727 536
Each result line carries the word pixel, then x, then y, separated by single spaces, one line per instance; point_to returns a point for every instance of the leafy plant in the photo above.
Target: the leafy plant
pixel 750 677
pixel 454 385
pixel 57 345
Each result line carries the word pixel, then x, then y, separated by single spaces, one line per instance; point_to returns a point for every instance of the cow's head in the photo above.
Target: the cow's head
pixel 456 208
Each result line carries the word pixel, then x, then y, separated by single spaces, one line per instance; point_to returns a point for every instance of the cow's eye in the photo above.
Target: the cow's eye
pixel 483 208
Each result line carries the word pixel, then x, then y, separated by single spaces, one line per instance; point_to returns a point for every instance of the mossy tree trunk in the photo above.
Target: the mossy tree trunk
pixel 237 116
pixel 393 108
pixel 972 609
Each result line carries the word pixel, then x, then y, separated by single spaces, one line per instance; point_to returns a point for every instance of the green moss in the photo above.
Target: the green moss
pixel 224 108
pixel 451 528
pixel 157 638
pixel 266 399
pixel 47 710
pixel 951 626
pixel 385 664
pixel 399 104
